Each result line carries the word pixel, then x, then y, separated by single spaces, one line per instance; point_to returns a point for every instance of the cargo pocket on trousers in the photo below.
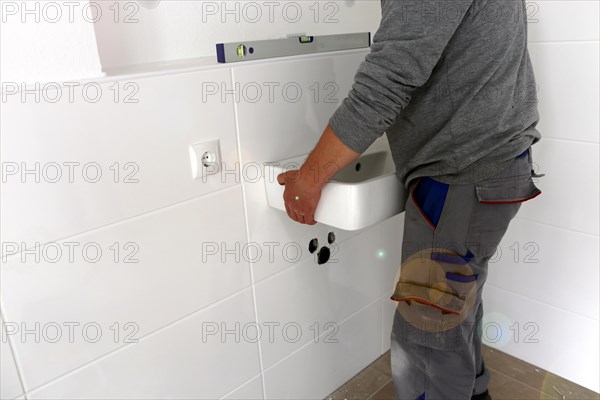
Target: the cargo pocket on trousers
pixel 435 295
pixel 507 190
pixel 513 185
pixel 499 200
pixel 438 279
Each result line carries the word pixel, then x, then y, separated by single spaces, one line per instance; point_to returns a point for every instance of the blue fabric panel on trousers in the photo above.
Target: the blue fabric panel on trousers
pixel 523 154
pixel 430 196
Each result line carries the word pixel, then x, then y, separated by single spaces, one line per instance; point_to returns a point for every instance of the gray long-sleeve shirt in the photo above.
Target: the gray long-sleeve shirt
pixel 451 83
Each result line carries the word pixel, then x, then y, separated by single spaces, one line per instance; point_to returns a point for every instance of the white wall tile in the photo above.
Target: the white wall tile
pixel 9 376
pixel 555 266
pixel 552 20
pixel 154 134
pixel 567 76
pixel 176 275
pixel 570 189
pixel 561 342
pixel 289 119
pixel 306 297
pixel 317 369
pixel 177 362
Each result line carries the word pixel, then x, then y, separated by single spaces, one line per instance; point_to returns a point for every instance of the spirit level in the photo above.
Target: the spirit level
pixel 291 46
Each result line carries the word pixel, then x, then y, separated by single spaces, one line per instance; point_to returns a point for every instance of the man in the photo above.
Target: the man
pixel 451 83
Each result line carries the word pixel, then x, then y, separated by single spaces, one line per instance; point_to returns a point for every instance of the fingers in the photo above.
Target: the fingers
pixel 292 203
pixel 307 220
pixel 298 217
pixel 291 213
pixel 288 211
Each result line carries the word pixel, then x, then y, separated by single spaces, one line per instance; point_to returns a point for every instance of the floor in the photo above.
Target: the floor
pixel 511 379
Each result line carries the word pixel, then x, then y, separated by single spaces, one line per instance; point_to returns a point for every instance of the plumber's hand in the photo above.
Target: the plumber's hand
pixel 301 196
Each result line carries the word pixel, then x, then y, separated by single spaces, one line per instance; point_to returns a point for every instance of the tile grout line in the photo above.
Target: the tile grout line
pixel 294 265
pixel 15 357
pixel 128 219
pixel 247 229
pixel 380 389
pixel 170 69
pixel 541 302
pixel 324 333
pixel 571 140
pixel 148 335
pixel 240 386
pixel 565 41
pixel 562 228
pixel 363 370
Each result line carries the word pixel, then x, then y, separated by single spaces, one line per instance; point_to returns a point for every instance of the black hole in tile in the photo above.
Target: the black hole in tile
pixel 323 255
pixel 313 245
pixel 331 237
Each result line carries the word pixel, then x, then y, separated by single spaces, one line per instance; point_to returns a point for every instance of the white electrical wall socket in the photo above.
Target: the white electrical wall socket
pixel 205 159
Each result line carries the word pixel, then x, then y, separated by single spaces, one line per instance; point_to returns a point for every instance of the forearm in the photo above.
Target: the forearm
pixel 328 157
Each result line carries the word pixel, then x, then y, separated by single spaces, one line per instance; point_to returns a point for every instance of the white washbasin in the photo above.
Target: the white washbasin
pixel 364 193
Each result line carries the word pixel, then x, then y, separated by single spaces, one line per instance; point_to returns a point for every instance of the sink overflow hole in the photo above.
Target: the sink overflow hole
pixel 357 167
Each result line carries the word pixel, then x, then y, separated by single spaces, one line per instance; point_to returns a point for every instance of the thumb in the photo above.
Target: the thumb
pixel 281 178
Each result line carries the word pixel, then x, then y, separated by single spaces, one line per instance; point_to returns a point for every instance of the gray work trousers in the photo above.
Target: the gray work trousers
pixel 435 343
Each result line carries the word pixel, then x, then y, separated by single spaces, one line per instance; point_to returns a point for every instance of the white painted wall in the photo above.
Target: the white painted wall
pixel 47 41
